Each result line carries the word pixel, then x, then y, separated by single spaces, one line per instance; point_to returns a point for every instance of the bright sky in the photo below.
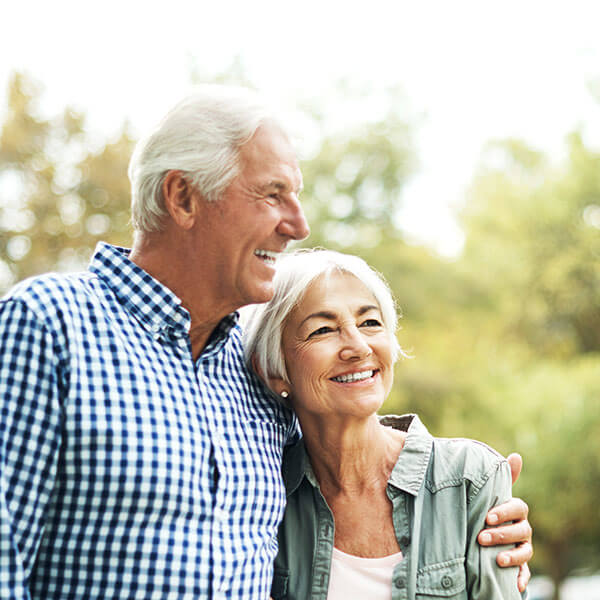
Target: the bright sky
pixel 475 70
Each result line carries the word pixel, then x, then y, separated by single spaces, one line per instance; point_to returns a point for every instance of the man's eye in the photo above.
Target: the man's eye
pixel 273 199
pixel 371 323
pixel 321 331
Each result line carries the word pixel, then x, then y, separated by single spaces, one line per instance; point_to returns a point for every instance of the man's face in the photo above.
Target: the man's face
pixel 257 215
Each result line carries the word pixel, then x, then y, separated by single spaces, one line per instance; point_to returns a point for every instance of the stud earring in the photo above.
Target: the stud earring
pixel 284 394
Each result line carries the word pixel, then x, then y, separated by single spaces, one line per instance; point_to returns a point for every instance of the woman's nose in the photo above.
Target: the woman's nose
pixel 354 346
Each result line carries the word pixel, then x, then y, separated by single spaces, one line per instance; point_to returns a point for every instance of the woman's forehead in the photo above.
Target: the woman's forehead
pixel 335 290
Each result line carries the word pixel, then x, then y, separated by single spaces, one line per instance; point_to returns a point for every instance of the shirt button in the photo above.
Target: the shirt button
pixel 220 514
pixel 447 582
pixel 404 541
pixel 400 582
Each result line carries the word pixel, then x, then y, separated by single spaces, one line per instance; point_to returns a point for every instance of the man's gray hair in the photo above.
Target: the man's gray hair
pixel 200 137
pixel 264 323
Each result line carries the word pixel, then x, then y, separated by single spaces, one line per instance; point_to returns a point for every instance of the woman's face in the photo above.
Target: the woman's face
pixel 337 352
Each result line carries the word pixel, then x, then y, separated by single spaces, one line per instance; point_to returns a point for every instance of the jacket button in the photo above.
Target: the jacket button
pixel 404 541
pixel 446 582
pixel 400 582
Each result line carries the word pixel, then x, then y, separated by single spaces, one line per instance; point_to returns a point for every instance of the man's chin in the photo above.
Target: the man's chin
pixel 261 294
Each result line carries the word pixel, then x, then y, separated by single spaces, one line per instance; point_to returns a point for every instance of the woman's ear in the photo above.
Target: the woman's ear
pixel 277 385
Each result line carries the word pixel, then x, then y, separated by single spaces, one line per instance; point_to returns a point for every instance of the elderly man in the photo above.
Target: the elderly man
pixel 138 457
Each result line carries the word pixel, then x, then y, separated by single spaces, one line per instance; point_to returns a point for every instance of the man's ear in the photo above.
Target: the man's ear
pixel 180 199
pixel 275 384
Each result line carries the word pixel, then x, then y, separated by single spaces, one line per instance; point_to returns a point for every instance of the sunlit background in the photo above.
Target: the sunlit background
pixel 455 145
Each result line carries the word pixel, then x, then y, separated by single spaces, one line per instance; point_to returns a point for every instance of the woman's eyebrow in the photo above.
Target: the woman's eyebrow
pixel 330 316
pixel 366 308
pixel 322 314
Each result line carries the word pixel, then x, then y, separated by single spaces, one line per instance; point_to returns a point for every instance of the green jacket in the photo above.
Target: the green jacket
pixel 441 490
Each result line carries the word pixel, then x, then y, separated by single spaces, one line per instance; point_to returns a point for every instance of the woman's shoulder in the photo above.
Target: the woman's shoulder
pixel 458 460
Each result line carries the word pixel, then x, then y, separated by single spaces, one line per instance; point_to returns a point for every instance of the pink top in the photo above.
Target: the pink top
pixel 357 577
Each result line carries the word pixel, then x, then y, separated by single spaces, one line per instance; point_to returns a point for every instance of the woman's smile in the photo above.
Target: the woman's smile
pixel 356 377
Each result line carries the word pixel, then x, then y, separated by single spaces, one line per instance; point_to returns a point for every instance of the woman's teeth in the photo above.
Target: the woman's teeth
pixel 354 376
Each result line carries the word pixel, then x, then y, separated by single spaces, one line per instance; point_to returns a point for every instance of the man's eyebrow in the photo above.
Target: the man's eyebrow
pixel 280 186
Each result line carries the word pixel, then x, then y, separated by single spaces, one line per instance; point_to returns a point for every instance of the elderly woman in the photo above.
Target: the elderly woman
pixel 377 508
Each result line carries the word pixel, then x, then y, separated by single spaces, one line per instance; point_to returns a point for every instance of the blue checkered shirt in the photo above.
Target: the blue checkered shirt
pixel 127 470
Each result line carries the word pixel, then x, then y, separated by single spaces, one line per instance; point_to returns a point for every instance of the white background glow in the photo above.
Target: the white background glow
pixel 472 70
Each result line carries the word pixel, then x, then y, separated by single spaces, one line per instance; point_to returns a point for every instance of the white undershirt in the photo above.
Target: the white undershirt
pixel 357 578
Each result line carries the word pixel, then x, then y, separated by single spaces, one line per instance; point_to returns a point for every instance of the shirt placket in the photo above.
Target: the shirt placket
pixel 401 520
pixel 324 548
pixel 181 346
pixel 218 472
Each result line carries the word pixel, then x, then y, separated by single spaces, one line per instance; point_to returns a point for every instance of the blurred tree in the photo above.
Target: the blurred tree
pixel 535 230
pixel 354 183
pixel 531 264
pixel 56 198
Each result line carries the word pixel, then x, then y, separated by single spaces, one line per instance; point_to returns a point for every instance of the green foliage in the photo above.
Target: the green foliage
pixel 353 184
pixel 562 454
pixel 58 199
pixel 530 228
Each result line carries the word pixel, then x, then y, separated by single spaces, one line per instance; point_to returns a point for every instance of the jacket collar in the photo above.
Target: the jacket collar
pixel 407 475
pixel 410 468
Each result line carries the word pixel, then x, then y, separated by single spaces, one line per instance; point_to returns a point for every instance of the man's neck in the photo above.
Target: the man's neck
pixel 163 261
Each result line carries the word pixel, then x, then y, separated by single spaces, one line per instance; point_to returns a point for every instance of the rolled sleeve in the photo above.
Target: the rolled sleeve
pixel 485 579
pixel 30 425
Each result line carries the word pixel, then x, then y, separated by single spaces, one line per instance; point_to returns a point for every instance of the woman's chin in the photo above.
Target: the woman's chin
pixel 363 406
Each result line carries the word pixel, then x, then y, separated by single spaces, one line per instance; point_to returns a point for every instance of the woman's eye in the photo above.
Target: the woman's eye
pixel 371 323
pixel 320 331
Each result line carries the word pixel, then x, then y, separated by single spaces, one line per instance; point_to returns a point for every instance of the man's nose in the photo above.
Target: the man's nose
pixel 293 223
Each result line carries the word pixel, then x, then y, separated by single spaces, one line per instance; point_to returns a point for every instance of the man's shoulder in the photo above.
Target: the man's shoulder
pixel 49 284
pixel 50 293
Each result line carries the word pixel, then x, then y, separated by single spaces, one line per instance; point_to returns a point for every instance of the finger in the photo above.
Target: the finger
pixel 524 577
pixel 515 533
pixel 516 556
pixel 516 464
pixel 513 510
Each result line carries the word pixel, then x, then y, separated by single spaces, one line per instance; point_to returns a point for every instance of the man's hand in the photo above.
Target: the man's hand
pixel 518 532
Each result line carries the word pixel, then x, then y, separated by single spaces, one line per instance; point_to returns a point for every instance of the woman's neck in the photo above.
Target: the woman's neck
pixel 352 456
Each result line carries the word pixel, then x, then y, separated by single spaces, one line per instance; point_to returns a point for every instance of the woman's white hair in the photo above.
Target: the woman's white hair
pixel 264 323
pixel 200 137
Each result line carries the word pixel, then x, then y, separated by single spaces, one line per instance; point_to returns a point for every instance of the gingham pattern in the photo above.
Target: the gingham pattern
pixel 126 470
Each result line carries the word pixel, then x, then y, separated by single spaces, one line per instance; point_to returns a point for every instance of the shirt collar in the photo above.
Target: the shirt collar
pixel 407 474
pixel 295 466
pixel 148 300
pixel 411 466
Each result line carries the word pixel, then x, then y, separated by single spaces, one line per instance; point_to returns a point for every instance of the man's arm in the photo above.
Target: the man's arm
pixel 509 525
pixel 29 441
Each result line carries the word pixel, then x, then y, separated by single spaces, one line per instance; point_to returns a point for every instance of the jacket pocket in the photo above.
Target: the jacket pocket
pixel 280 583
pixel 442 580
